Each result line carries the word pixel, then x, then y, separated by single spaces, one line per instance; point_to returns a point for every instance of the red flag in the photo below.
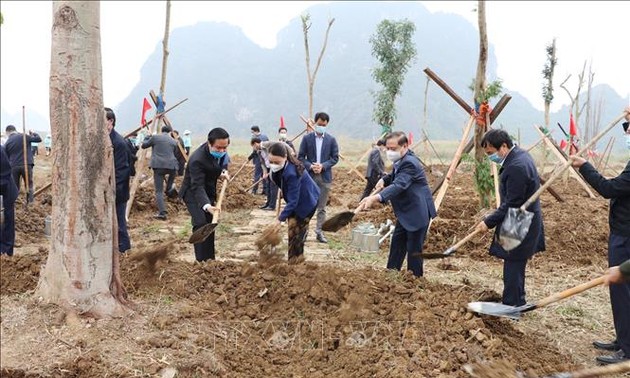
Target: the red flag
pixel 563 144
pixel 572 128
pixel 145 106
pixel 410 138
pixel 282 122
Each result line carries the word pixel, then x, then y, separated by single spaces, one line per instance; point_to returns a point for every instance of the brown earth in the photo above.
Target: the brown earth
pixel 274 319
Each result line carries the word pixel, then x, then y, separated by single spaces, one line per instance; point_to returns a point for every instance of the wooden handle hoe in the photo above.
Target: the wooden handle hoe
pixel 202 233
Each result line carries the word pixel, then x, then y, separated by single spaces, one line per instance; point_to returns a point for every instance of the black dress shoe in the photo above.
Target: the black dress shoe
pixel 611 346
pixel 160 216
pixel 321 238
pixel 268 208
pixel 615 358
pixel 263 207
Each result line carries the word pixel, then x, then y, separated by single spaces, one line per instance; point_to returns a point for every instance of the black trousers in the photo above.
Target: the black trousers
pixel 514 282
pixel 272 193
pixel 204 250
pixel 7 232
pixel 618 252
pixel 369 186
pixel 124 243
pixel 18 174
pixel 407 243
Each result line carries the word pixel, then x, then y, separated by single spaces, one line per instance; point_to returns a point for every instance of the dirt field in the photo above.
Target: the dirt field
pixel 344 317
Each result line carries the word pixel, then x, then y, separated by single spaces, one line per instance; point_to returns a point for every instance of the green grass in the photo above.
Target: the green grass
pixel 152 228
pixel 570 311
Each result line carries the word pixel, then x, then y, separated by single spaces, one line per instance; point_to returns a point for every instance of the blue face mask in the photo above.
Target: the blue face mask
pixel 217 154
pixel 320 129
pixel 495 158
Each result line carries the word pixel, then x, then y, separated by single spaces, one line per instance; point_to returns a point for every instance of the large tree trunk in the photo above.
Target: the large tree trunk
pixel 80 271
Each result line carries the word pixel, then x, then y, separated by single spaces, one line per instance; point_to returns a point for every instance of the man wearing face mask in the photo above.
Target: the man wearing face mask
pixel 319 152
pixel 618 190
pixel 519 180
pixel 282 137
pixel 408 191
pixel 258 170
pixel 205 166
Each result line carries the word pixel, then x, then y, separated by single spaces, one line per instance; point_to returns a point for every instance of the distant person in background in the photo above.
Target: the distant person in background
pixel 206 165
pixel 258 170
pixel 15 151
pixel 35 148
pixel 9 192
pixel 48 144
pixel 270 187
pixel 319 152
pixel 618 190
pixel 181 160
pixel 375 168
pixel 187 138
pixel 164 165
pixel 123 160
pixel 282 137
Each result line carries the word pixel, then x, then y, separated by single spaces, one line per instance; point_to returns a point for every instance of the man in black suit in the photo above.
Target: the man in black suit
pixel 519 180
pixel 9 193
pixel 15 151
pixel 205 166
pixel 123 160
pixel 618 190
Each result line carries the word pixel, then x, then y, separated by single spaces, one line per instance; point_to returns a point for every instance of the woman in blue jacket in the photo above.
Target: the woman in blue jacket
pixel 300 194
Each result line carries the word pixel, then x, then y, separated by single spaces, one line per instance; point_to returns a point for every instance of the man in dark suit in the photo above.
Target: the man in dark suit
pixel 164 165
pixel 205 166
pixel 618 190
pixel 519 180
pixel 15 151
pixel 408 191
pixel 319 152
pixel 123 159
pixel 9 192
pixel 375 168
pixel 258 169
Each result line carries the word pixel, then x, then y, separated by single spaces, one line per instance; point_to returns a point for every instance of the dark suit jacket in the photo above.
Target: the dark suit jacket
pixel 201 175
pixel 518 181
pixel 376 166
pixel 122 165
pixel 8 189
pixel 300 192
pixel 407 189
pixel 15 151
pixel 618 190
pixel 163 153
pixel 329 154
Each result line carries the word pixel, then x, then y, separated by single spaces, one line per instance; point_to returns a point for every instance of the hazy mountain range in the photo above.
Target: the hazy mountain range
pixel 232 82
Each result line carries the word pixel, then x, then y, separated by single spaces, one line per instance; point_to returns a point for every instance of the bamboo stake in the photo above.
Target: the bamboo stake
pixel 495 176
pixel 562 158
pixel 601 160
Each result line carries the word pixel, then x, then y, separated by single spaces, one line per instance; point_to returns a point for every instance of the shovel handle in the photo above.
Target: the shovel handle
pixel 597 371
pixel 566 165
pixel 360 207
pixel 570 292
pixel 239 170
pixel 215 217
pixel 454 247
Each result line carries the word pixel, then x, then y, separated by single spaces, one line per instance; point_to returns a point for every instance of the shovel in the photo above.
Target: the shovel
pixel 595 372
pixel 450 250
pixel 512 312
pixel 340 220
pixel 202 233
pixel 517 221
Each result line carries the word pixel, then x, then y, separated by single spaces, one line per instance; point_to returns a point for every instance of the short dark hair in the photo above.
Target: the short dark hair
pixel 402 138
pixel 10 128
pixel 166 129
pixel 323 116
pixel 254 140
pixel 175 131
pixel 109 114
pixel 282 128
pixel 625 126
pixel 380 142
pixel 496 138
pixel 218 133
pixel 255 129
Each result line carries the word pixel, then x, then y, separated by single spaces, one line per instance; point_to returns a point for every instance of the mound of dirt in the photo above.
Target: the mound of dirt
pixel 20 273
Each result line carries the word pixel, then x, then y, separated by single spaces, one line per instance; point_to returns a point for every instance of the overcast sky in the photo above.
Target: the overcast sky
pixel 596 31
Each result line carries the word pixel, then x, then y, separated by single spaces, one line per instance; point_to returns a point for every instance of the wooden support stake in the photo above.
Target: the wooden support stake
pixel 601 160
pixel 448 90
pixel 563 158
pixel 153 119
pixel 495 176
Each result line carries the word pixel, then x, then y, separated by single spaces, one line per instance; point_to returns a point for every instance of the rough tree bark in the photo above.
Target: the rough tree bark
pixel 306 25
pixel 81 273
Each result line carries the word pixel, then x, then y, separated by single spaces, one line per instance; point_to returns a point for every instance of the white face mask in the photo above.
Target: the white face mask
pixel 276 167
pixel 628 141
pixel 393 156
pixel 282 136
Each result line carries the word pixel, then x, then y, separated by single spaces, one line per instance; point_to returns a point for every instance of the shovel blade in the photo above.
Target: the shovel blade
pixel 201 234
pixel 338 221
pixel 495 309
